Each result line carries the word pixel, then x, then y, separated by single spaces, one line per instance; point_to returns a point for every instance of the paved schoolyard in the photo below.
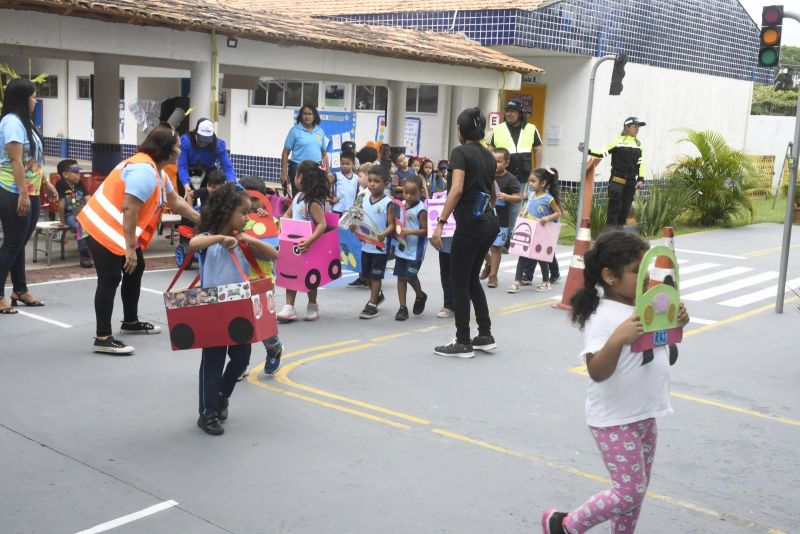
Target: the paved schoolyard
pixel 364 430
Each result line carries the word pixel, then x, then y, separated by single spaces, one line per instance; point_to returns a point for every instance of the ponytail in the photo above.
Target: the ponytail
pixel 586 300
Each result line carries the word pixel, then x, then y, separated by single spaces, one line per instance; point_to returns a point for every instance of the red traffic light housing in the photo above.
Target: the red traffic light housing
pixel 769 52
pixel 618 74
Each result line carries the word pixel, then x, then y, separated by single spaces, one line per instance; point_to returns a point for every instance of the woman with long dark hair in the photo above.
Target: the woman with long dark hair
pixel 470 198
pixel 21 179
pixel 306 140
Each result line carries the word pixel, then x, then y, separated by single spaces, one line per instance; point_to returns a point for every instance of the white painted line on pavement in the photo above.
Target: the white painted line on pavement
pixel 732 286
pixel 155 291
pixel 124 520
pixel 698 267
pixel 719 275
pixel 44 319
pixel 704 322
pixel 704 253
pixel 84 278
pixel 765 293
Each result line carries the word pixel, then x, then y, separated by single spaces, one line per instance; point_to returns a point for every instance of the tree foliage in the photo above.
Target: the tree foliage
pixel 719 174
pixel 780 98
pixel 7 74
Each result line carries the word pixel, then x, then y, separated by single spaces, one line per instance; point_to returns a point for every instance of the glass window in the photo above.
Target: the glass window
pixel 311 94
pixel 48 88
pixel 428 99
pixel 294 94
pixel 334 95
pixel 122 88
pixel 259 97
pixel 381 97
pixel 275 92
pixel 84 88
pixel 411 99
pixel 365 97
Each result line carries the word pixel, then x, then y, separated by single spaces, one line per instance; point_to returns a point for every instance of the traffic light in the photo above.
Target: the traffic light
pixel 618 74
pixel 769 52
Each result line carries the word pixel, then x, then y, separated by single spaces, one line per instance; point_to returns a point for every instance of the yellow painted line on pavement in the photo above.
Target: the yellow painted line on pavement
pixel 581 370
pixel 767 251
pixel 388 337
pixel 282 376
pixel 680 503
pixel 296 353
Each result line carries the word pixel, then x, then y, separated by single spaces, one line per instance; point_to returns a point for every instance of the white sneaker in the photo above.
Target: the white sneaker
pixel 544 286
pixel 312 312
pixel 287 314
pixel 444 313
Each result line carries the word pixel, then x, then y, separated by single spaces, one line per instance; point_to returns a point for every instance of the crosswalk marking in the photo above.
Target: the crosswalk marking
pixel 732 286
pixel 697 267
pixel 756 296
pixel 700 280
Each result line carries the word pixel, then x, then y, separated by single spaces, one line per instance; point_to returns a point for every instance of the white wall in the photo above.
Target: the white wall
pixel 431 131
pixel 769 136
pixel 666 99
pixel 257 131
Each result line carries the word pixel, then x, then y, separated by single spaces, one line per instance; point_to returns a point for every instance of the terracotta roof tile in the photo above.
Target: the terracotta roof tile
pixel 269 26
pixel 355 7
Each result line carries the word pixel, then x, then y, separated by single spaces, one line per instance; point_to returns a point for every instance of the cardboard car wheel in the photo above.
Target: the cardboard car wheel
pixel 671 312
pixel 648 314
pixel 335 269
pixel 313 279
pixel 182 336
pixel 240 330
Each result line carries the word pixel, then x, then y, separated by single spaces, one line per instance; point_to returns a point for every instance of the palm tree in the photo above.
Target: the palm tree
pixel 720 175
pixel 7 74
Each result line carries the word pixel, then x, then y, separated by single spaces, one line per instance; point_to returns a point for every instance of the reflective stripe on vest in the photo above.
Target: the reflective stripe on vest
pixel 102 216
pixel 501 138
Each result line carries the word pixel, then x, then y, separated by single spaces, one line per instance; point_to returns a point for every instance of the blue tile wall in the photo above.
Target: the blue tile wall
pixel 52 146
pixel 715 37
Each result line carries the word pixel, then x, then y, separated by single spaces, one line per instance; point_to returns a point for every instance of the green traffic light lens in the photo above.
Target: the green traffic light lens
pixel 768 57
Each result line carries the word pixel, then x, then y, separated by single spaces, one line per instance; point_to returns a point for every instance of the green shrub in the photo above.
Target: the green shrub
pixel 719 174
pixel 663 203
pixel 597 219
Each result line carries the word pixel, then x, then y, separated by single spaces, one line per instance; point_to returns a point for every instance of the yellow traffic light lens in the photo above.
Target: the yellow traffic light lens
pixel 770 37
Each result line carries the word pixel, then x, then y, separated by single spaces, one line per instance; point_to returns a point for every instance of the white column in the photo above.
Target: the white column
pixel 488 101
pixel 200 95
pixel 462 98
pixel 396 113
pixel 106 100
pixel 448 122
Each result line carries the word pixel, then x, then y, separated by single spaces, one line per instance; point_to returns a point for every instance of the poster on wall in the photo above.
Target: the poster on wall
pixel 339 126
pixel 411 133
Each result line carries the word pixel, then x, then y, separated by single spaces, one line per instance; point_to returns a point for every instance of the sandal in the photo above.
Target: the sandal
pixel 513 288
pixel 492 282
pixel 485 272
pixel 9 310
pixel 544 286
pixel 18 298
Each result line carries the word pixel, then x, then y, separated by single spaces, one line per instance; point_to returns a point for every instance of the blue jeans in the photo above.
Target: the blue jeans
pixel 72 222
pixel 213 381
pixel 16 233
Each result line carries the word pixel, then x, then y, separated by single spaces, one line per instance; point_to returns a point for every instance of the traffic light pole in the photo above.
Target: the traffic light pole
pixel 585 158
pixel 790 196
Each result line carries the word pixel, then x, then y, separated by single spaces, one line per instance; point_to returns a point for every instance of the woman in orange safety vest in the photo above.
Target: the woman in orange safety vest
pixel 121 219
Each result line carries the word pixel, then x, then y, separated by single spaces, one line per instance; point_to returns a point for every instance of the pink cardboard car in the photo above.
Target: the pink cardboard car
pixel 531 239
pixel 320 265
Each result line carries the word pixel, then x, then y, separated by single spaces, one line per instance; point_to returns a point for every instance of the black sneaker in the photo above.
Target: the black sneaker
pixel 381 298
pixel 419 303
pixel 370 311
pixel 484 343
pixel 525 280
pixel 110 345
pixel 273 361
pixel 554 279
pixel 140 327
pixel 358 282
pixel 454 348
pixel 222 407
pixel 210 424
pixel 552 522
pixel 402 314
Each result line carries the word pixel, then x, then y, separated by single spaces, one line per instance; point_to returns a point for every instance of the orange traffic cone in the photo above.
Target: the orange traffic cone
pixel 583 242
pixel 664 270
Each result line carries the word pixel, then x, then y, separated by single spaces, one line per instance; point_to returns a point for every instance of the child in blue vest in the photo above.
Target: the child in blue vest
pixel 543 206
pixel 379 211
pixel 410 255
pixel 345 187
pixel 222 222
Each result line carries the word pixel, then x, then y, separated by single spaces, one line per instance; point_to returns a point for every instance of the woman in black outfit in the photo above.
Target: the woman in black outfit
pixel 470 197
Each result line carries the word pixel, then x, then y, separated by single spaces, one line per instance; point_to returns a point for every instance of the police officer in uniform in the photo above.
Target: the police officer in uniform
pixel 520 138
pixel 627 170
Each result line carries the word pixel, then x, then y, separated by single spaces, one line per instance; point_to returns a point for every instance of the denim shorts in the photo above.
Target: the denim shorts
pixel 502 235
pixel 404 268
pixel 373 265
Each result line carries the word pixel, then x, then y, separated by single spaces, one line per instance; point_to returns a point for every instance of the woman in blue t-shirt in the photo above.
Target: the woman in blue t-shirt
pixel 306 140
pixel 21 173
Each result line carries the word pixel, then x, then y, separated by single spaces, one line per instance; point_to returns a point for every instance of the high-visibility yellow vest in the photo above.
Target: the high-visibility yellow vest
pixel 501 138
pixel 101 218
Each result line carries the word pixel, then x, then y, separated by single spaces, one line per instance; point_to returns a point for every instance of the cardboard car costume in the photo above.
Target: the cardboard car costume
pixel 318 266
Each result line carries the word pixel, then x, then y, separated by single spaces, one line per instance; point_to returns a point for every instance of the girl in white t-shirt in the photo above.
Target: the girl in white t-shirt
pixel 626 393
